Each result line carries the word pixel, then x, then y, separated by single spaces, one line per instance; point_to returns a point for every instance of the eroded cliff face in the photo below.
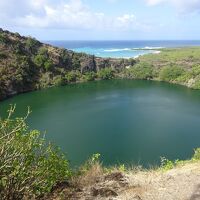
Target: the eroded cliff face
pixel 27 64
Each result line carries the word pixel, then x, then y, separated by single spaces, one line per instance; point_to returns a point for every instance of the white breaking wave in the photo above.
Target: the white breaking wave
pixel 148 48
pixel 130 49
pixel 153 48
pixel 116 50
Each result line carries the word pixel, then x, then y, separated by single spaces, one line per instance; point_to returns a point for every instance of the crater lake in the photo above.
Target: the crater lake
pixel 126 121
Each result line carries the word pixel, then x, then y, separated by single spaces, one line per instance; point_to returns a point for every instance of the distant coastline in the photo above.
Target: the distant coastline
pixel 122 49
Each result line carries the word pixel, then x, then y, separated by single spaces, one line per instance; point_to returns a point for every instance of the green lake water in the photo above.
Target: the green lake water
pixel 132 122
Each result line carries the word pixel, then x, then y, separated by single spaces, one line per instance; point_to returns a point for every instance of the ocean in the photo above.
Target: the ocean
pixel 122 49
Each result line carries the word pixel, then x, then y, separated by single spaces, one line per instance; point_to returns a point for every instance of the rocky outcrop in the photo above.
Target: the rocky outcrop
pixel 88 63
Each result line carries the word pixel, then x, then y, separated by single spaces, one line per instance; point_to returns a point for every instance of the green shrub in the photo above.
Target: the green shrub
pixel 196 84
pixel 3 38
pixel 106 73
pixel 166 164
pixel 94 159
pixel 196 155
pixel 31 44
pixel 195 71
pixel 39 60
pixel 43 51
pixel 72 76
pixel 171 73
pixel 48 65
pixel 29 166
pixel 142 71
pixel 89 76
pixel 58 81
pixel 184 78
pixel 76 61
pixel 42 59
pixel 18 49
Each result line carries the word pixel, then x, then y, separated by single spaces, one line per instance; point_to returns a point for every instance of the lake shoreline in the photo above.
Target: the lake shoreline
pixel 80 82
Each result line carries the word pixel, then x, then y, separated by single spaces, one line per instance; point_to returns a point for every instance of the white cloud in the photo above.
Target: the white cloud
pixel 126 19
pixel 154 2
pixel 71 15
pixel 64 14
pixel 182 5
pixel 129 22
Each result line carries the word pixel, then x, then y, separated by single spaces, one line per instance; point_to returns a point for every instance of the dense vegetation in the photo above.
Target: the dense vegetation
pixel 29 166
pixel 180 66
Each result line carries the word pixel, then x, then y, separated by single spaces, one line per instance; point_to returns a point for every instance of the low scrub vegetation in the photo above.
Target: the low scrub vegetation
pixel 31 44
pixel 105 74
pixel 170 164
pixel 29 166
pixel 73 76
pixel 90 76
pixel 141 70
pixel 171 73
pixel 42 59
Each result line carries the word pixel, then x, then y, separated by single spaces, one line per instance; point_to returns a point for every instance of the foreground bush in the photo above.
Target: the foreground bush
pixel 29 167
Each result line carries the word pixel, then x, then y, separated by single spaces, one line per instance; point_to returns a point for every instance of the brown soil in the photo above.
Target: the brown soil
pixel 180 183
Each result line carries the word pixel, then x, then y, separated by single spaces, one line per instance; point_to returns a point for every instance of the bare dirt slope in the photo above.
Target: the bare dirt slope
pixel 180 183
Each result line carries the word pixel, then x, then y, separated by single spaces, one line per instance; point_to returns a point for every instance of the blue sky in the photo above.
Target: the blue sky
pixel 102 19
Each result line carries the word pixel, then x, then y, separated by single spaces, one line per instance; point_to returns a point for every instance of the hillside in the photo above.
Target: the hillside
pixel 175 65
pixel 27 64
